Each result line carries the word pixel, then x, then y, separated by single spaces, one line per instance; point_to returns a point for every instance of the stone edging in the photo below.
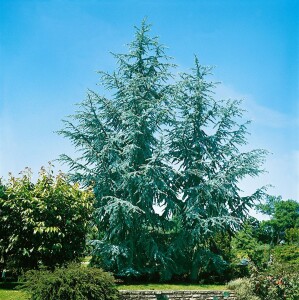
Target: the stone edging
pixel 176 295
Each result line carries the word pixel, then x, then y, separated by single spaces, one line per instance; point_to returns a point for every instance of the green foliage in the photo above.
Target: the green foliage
pixel 268 207
pixel 292 235
pixel 246 246
pixel 243 289
pixel 280 282
pixel 125 161
pixel 284 216
pixel 286 254
pixel 71 283
pixel 43 223
pixel 160 142
pixel 205 143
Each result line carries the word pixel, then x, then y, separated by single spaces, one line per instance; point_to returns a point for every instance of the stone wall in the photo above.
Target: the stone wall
pixel 177 295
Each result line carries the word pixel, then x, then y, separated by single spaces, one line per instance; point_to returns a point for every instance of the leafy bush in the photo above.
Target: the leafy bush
pixel 243 288
pixel 286 254
pixel 238 270
pixel 280 282
pixel 292 235
pixel 245 246
pixel 45 223
pixel 71 283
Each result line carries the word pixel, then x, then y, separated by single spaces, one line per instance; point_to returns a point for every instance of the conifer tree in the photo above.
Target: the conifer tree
pixel 123 158
pixel 160 142
pixel 205 143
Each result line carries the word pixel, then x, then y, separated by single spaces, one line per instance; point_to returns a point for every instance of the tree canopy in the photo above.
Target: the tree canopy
pixel 161 140
pixel 284 220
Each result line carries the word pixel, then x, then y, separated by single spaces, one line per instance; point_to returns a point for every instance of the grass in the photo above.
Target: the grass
pixel 176 287
pixel 8 292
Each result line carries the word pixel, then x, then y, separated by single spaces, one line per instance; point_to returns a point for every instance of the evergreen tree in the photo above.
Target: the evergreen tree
pixel 123 158
pixel 131 146
pixel 205 144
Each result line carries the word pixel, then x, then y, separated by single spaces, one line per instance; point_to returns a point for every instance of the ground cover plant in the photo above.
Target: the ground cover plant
pixel 164 158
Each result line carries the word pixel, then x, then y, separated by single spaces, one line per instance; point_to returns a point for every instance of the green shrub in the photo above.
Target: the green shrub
pixel 245 246
pixel 45 223
pixel 286 254
pixel 292 235
pixel 279 283
pixel 243 288
pixel 237 270
pixel 70 283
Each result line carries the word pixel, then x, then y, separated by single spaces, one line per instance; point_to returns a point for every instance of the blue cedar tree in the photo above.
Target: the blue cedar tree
pixel 130 144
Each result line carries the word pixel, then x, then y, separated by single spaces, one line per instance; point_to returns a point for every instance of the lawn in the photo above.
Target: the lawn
pixel 11 294
pixel 8 291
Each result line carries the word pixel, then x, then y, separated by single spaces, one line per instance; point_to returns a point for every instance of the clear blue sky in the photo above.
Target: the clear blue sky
pixel 50 50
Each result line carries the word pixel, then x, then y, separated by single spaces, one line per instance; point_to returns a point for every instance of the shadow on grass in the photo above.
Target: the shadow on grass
pixel 10 285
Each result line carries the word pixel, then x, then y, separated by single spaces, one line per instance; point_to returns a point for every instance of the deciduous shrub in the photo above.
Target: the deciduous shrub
pixel 243 288
pixel 292 235
pixel 71 283
pixel 287 254
pixel 43 223
pixel 281 282
pixel 245 246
